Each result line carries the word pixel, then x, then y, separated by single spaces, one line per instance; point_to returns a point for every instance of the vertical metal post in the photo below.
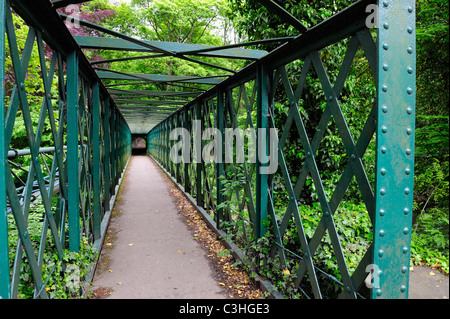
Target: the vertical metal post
pixel 395 148
pixel 187 182
pixel 72 152
pixel 96 158
pixel 200 201
pixel 262 114
pixel 106 160
pixel 219 124
pixel 4 250
pixel 113 153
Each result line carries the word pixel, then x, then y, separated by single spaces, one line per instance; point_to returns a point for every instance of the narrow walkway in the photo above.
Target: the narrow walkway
pixel 149 251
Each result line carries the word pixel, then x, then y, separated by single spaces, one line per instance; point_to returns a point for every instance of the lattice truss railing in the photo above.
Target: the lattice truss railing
pixel 243 201
pixel 58 186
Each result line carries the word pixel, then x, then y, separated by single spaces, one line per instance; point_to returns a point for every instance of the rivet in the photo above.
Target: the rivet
pixel 379 292
pixel 406 211
pixel 383 171
pixel 381 233
pixel 385 67
pixel 385 46
pixel 385 3
pixel 383 149
pixel 403 288
pixel 386 25
pixel 381 253
pixel 306 255
pixel 22 86
pixel 384 109
pixel 410 30
pixel 407 191
pixel 409 90
pixel 380 273
pixel 405 230
pixel 404 269
pixel 308 154
pixel 405 249
pixel 382 191
pixel 348 289
pixel 384 88
pixel 410 9
pixel 409 110
pixel 25 234
pixel 409 69
pixel 327 213
pixel 382 212
pixel 409 49
pixel 407 171
pixel 49 96
pixel 330 98
pixel 409 131
pixel 353 157
pixel 384 128
pixel 408 151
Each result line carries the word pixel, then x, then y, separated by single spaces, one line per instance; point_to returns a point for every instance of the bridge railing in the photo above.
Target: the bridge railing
pixel 50 204
pixel 250 200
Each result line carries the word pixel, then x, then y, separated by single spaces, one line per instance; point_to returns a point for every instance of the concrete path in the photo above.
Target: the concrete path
pixel 426 283
pixel 149 252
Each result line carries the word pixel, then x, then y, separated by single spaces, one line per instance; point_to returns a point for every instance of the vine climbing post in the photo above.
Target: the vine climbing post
pixel 395 148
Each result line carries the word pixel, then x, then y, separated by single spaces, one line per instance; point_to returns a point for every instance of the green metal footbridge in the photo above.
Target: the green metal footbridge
pixel 92 117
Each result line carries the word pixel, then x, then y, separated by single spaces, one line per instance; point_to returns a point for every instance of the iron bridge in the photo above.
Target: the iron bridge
pixel 92 115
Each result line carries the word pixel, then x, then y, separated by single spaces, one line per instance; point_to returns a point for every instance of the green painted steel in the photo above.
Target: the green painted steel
pixel 73 180
pixel 395 148
pixel 63 185
pixel 158 78
pixel 263 79
pixel 96 159
pixel 4 256
pixel 92 117
pixel 179 48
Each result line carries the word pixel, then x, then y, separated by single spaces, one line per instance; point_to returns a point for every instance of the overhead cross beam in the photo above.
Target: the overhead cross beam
pixel 104 43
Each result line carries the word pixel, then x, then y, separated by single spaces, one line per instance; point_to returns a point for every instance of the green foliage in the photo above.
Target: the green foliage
pixel 63 278
pixel 430 238
pixel 182 21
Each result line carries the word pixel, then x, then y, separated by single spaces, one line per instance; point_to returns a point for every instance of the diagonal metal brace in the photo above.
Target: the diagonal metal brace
pixel 283 14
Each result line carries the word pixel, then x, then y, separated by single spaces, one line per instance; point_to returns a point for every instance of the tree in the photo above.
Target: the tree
pixel 182 21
